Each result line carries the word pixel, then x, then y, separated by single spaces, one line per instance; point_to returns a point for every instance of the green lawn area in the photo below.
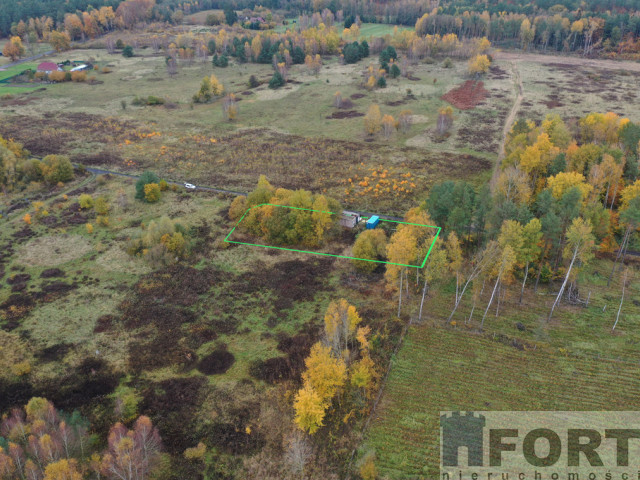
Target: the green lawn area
pixel 366 29
pixel 16 70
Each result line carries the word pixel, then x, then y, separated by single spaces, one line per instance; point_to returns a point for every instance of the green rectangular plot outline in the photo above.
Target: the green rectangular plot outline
pixel 438 229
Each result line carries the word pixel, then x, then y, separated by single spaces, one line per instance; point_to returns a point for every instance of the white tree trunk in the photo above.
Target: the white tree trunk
pixel 624 284
pixel 424 292
pixel 564 283
pixel 491 299
pixel 526 274
pixel 400 295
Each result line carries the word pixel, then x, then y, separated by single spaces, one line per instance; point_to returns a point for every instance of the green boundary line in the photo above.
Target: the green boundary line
pixel 331 254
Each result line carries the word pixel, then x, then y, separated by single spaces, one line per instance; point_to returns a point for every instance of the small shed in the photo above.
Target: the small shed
pixel 349 219
pixel 48 67
pixel 373 222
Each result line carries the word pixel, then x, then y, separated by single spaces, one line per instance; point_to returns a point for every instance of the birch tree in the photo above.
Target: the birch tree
pixel 580 242
pixel 626 278
pixel 502 270
pixel 434 270
pixel 629 216
pixel 402 249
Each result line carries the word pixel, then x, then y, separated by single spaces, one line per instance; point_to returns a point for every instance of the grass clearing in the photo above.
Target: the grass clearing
pixel 50 251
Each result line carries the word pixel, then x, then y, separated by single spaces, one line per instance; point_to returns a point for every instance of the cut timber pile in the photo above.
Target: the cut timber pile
pixel 467 95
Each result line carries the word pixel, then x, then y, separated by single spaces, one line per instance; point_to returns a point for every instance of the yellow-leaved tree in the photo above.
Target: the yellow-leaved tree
pixel 324 376
pixel 479 65
pixel 373 120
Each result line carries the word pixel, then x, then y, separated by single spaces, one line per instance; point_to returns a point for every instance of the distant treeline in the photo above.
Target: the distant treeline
pixel 12 11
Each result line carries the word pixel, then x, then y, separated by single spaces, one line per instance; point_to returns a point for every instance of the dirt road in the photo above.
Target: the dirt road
pixel 510 119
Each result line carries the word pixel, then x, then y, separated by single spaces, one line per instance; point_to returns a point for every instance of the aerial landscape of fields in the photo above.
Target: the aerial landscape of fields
pixel 275 240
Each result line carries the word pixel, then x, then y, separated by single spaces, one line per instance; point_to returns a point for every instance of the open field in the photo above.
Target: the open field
pixel 185 129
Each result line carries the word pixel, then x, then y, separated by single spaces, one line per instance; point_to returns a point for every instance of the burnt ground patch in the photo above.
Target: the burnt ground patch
pixel 18 278
pixel 161 348
pixel 52 272
pixel 104 323
pixel 14 394
pixel 345 114
pixel 291 281
pixel 172 405
pixel 54 353
pixel 233 410
pixel 291 366
pixel 16 307
pixel 178 284
pixel 217 362
pixel 90 381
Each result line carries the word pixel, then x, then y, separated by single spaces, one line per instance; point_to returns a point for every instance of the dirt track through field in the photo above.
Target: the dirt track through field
pixel 611 65
pixel 510 119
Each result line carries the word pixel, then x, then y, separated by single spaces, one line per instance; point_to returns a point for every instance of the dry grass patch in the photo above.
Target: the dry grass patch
pixel 14 355
pixel 53 250
pixel 117 260
pixel 71 319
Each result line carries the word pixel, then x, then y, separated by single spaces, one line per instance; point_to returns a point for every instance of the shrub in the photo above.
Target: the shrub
pixel 102 220
pixel 150 100
pixel 20 369
pixel 387 54
pixel 57 76
pixel 394 71
pixel 221 61
pixel 86 201
pixel 448 63
pixel 164 186
pixel 106 70
pixel 119 44
pixel 371 245
pixel 253 82
pixel 89 228
pixel 57 168
pixel 382 82
pixel 101 206
pixel 127 51
pixel 276 81
pixel 79 76
pixel 151 192
pixel 145 178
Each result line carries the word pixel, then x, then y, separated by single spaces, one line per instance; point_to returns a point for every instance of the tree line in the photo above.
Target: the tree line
pixel 563 193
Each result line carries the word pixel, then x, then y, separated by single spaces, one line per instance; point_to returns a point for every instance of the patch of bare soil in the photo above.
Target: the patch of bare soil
pixel 345 114
pixel 467 95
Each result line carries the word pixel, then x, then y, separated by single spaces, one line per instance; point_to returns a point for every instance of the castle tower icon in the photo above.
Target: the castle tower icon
pixel 462 430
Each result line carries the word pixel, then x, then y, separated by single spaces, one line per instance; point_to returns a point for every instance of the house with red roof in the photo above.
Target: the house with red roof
pixel 48 67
